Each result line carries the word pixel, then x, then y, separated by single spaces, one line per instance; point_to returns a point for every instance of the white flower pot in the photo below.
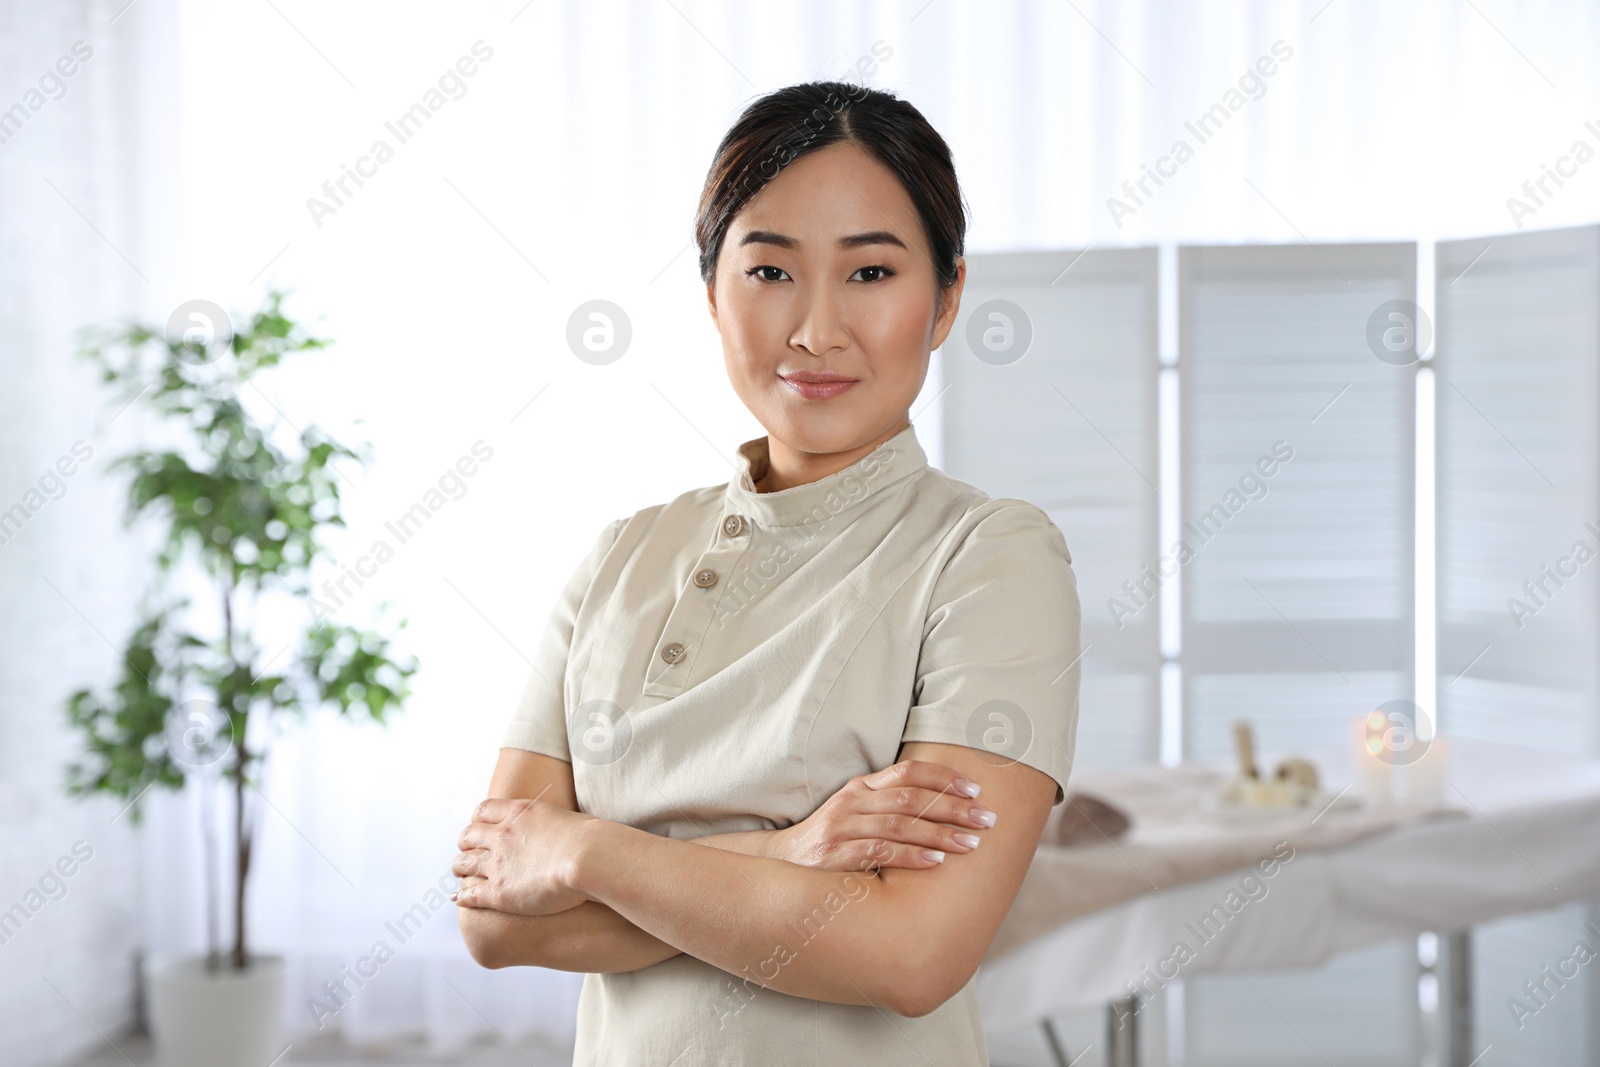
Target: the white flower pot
pixel 221 1018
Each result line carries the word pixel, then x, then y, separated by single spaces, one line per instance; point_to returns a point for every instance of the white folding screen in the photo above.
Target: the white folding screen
pixel 1518 499
pixel 1519 487
pixel 1297 514
pixel 1050 396
pixel 1296 489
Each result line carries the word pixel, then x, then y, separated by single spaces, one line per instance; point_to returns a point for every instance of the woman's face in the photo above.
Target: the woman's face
pixel 827 271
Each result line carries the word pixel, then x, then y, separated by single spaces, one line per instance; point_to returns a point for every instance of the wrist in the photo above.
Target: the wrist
pixel 596 841
pixel 775 843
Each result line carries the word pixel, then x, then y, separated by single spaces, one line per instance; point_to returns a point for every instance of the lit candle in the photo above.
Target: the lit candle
pixel 1373 773
pixel 1428 777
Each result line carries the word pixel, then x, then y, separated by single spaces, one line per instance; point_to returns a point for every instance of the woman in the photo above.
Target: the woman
pixel 738 789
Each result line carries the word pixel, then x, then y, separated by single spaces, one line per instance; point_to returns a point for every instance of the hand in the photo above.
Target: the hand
pixel 888 818
pixel 518 856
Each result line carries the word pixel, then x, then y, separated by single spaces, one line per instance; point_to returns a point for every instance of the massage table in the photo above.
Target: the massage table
pixel 1518 831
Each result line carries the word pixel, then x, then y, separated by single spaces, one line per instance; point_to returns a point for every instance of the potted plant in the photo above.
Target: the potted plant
pixel 238 504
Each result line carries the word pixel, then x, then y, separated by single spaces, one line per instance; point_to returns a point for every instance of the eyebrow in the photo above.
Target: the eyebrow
pixel 855 240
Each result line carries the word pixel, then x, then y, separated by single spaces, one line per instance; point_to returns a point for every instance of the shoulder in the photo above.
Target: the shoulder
pixel 686 511
pixel 1017 525
pixel 986 526
pixel 668 527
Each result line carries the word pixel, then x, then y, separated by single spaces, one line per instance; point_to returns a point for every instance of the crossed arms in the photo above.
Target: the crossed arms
pixel 840 919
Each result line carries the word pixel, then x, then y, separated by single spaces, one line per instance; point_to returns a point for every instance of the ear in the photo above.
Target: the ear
pixel 950 304
pixel 711 300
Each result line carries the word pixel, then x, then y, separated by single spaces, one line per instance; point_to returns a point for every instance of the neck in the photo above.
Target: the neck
pixel 789 467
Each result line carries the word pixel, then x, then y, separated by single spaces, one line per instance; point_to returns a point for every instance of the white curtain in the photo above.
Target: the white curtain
pixel 566 168
pixel 83 144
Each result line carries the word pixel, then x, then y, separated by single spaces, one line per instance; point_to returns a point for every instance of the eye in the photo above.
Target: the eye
pixel 764 278
pixel 883 272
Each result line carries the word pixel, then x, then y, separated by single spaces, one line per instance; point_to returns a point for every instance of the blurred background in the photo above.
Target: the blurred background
pixel 1198 218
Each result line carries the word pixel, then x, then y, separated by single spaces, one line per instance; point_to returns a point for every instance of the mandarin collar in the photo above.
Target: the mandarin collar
pixel 818 501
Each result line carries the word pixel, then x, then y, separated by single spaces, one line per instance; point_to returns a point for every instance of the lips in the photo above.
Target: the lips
pixel 818 386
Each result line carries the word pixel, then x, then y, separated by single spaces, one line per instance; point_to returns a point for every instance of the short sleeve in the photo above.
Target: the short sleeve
pixel 998 669
pixel 539 723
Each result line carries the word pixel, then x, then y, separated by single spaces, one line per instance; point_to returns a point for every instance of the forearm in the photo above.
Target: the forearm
pixel 591 938
pixel 766 843
pixel 825 935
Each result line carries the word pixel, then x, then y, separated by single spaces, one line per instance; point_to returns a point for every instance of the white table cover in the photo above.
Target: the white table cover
pixel 1531 840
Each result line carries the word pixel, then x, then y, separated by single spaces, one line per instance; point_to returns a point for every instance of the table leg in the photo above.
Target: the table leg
pixel 1122 1033
pixel 1455 961
pixel 1058 1051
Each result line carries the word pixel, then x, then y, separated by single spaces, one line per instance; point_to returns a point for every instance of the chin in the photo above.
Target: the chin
pixel 818 431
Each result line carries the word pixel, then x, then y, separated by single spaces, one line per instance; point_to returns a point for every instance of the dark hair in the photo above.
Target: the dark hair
pixel 786 124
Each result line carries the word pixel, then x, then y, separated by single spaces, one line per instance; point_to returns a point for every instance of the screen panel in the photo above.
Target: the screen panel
pixel 1050 396
pixel 1519 487
pixel 1297 580
pixel 1518 572
pixel 1297 483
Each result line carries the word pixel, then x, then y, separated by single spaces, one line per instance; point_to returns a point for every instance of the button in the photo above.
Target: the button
pixel 733 525
pixel 673 652
pixel 706 578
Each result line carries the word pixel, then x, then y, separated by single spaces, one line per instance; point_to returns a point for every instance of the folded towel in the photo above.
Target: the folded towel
pixel 1084 819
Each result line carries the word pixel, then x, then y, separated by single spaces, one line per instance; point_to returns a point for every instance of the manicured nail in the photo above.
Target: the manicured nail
pixel 983 816
pixel 452 896
pixel 933 854
pixel 966 840
pixel 964 786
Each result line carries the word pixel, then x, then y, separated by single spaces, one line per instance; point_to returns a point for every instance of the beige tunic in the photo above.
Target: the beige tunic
pixel 728 660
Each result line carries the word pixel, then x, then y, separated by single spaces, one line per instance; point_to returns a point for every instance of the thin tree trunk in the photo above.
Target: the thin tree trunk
pixel 240 837
pixel 208 837
pixel 239 958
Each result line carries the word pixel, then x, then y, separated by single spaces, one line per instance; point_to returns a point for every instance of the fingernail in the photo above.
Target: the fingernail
pixel 452 896
pixel 966 840
pixel 983 816
pixel 964 786
pixel 933 854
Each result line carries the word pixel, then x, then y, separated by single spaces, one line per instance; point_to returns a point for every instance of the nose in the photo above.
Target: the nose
pixel 821 328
